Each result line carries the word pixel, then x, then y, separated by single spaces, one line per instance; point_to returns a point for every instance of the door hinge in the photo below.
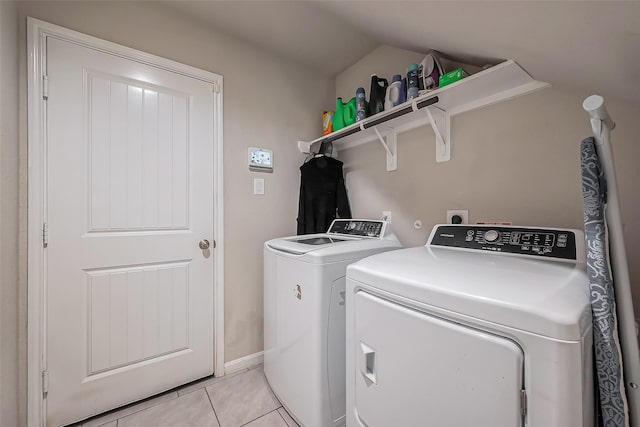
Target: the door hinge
pixel 45 87
pixel 45 383
pixel 216 87
pixel 523 403
pixel 45 235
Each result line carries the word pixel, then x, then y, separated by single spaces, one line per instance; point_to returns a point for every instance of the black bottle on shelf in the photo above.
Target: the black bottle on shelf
pixel 377 94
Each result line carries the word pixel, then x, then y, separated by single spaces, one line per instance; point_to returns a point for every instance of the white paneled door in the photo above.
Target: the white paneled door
pixel 129 291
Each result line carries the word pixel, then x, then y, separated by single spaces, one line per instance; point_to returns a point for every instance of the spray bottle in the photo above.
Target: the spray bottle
pixel 361 104
pixel 412 81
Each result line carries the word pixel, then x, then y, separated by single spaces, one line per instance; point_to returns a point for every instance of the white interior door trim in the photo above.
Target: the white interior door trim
pixel 37 33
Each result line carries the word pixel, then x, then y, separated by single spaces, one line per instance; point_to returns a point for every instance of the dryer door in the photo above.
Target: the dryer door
pixel 413 369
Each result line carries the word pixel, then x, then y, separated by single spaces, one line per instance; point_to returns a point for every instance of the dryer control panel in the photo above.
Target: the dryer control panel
pixel 542 242
pixel 358 227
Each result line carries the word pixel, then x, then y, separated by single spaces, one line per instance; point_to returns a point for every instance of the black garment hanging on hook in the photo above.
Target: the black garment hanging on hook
pixel 322 195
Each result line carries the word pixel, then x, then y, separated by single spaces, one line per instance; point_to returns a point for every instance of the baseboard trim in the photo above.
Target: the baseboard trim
pixel 244 362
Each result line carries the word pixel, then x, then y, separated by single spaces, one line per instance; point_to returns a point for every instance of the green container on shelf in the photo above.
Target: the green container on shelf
pixel 345 113
pixel 350 112
pixel 452 77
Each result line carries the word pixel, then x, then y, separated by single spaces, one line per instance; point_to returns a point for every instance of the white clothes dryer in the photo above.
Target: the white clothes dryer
pixel 484 326
pixel 304 316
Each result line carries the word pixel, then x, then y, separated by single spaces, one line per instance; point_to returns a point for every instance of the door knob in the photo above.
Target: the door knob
pixel 204 244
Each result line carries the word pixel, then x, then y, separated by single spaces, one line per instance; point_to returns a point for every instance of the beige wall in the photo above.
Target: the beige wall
pixel 8 213
pixel 264 105
pixel 514 161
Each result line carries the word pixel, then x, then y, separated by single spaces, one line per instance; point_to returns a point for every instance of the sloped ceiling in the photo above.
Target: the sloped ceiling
pixel 297 30
pixel 593 46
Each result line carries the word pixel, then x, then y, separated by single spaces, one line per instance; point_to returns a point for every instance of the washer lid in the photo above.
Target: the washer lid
pixel 539 296
pixel 324 248
pixel 306 243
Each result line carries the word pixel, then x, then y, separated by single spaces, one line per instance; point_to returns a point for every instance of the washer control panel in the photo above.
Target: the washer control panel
pixel 358 227
pixel 514 240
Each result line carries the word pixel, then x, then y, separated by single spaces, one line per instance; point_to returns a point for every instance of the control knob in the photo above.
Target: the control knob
pixel 491 236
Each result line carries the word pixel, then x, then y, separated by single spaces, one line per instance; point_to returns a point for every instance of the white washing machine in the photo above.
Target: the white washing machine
pixel 484 327
pixel 304 316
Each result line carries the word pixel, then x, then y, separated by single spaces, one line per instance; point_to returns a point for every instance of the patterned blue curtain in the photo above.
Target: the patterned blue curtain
pixel 610 394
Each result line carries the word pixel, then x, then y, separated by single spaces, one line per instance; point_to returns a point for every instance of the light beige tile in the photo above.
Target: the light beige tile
pixel 206 382
pixel 287 418
pixel 272 419
pixel 136 407
pixel 242 398
pixel 190 410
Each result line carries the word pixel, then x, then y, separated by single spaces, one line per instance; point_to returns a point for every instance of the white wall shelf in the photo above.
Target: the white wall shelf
pixel 498 83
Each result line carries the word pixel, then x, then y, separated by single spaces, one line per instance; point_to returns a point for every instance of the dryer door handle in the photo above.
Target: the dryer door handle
pixel 368 363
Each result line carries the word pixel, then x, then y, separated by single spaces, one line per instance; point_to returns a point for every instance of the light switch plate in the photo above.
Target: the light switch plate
pixel 258 186
pixel 260 158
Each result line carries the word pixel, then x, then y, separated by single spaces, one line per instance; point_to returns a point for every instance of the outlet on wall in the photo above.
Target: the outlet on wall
pixel 387 215
pixel 462 213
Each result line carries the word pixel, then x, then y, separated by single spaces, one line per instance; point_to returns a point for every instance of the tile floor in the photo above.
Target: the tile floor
pixel 239 399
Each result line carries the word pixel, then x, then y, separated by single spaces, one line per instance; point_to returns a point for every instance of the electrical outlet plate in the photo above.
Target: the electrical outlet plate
pixel 260 158
pixel 463 213
pixel 387 215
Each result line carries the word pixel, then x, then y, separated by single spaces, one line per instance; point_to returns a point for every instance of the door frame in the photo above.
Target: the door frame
pixel 37 33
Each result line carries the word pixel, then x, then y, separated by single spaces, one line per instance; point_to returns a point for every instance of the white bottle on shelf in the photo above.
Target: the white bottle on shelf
pixel 393 92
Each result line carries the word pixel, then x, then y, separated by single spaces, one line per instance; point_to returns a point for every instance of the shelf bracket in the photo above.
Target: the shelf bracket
pixel 390 144
pixel 440 122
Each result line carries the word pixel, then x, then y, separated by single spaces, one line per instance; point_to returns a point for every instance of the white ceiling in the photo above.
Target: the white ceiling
pixel 593 46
